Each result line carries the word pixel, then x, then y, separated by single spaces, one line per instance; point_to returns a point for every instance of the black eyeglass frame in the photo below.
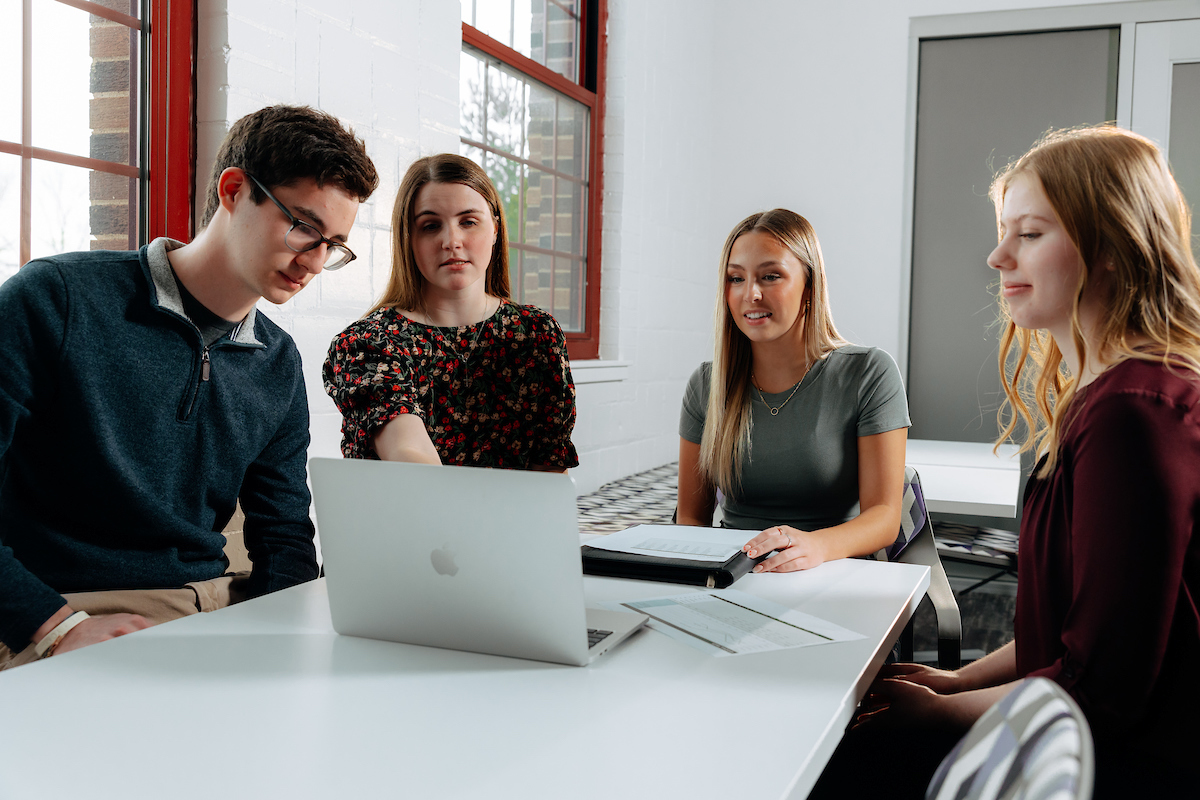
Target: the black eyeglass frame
pixel 299 223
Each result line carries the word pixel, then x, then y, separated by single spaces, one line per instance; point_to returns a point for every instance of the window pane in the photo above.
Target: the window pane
pixel 10 84
pixel 506 112
pixel 562 39
pixel 514 274
pixel 568 294
pixel 62 69
pixel 536 270
pixel 542 102
pixel 59 209
pixel 10 215
pixel 471 96
pixel 546 31
pixel 494 17
pixel 473 153
pixel 569 213
pixel 83 70
pixel 569 140
pixel 539 209
pixel 535 149
pixel 506 176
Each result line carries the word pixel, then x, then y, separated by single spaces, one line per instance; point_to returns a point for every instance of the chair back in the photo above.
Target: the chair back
pixel 915 545
pixel 913 515
pixel 1033 744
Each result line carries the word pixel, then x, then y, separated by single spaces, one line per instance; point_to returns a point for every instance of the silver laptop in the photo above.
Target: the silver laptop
pixel 485 560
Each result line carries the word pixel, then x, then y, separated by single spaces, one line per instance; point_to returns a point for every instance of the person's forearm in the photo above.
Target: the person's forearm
pixel 404 438
pixel 996 668
pixel 696 497
pixel 961 710
pixel 415 455
pixel 869 532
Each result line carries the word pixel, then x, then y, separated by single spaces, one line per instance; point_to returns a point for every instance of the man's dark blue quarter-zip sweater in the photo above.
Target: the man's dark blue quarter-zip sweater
pixel 125 443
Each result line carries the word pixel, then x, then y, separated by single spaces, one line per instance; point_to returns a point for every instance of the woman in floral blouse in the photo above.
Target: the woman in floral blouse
pixel 445 369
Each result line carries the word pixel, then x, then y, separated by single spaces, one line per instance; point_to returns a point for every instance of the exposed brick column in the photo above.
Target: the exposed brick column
pixel 113 120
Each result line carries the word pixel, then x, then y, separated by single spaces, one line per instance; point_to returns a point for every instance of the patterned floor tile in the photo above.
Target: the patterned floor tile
pixel 642 499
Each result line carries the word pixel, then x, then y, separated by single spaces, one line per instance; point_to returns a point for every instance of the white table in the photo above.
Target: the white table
pixel 967 477
pixel 264 700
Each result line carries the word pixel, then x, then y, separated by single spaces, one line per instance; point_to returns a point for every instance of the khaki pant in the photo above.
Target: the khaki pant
pixel 156 605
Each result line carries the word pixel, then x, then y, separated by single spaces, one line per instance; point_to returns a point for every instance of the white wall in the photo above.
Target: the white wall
pixel 715 110
pixel 661 237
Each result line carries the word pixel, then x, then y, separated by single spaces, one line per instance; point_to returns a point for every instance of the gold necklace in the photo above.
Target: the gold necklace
pixel 776 409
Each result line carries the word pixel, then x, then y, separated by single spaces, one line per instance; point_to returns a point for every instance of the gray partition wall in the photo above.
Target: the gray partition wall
pixel 981 102
pixel 1185 138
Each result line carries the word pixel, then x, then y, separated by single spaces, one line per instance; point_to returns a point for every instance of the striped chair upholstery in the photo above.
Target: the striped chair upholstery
pixel 912 514
pixel 1034 744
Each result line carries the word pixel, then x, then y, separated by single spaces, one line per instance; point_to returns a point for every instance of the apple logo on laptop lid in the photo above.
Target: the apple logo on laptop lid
pixel 442 559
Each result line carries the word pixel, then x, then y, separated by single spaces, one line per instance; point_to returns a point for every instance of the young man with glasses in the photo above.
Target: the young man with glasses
pixel 143 395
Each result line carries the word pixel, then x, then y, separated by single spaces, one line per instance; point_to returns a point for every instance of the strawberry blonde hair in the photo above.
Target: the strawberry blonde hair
pixel 1115 197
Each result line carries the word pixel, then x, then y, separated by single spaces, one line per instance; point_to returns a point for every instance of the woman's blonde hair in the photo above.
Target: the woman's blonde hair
pixel 1114 195
pixel 404 287
pixel 727 429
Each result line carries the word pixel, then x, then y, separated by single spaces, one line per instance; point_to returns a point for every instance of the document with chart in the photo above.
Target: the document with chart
pixel 732 623
pixel 675 541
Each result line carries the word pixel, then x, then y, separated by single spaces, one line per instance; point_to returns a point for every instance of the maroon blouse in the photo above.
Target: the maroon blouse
pixel 1109 562
pixel 495 394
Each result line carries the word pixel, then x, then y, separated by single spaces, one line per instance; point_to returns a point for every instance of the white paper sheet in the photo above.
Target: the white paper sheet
pixel 676 541
pixel 732 623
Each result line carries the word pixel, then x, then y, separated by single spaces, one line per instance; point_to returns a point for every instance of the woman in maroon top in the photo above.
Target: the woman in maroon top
pixel 446 369
pixel 1097 276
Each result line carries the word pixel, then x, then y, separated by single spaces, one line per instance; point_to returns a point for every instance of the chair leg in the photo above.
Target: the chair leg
pixel 949 653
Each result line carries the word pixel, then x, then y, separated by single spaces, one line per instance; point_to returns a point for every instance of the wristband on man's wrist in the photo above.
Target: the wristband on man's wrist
pixel 45 648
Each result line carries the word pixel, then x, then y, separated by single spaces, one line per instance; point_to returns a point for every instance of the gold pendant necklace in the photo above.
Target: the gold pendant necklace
pixel 776 409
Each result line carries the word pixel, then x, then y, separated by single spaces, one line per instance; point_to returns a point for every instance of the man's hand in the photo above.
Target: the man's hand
pixel 99 629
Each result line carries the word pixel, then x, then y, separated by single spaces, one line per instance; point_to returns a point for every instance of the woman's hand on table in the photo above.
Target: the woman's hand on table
pixel 942 681
pixel 797 549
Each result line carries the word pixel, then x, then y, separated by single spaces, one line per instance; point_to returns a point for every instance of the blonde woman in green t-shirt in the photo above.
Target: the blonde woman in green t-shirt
pixel 802 432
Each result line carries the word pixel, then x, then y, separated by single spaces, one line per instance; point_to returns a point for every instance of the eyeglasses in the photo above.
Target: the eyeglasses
pixel 302 237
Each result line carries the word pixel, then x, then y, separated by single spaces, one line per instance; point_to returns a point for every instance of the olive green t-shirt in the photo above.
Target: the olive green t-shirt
pixel 802 468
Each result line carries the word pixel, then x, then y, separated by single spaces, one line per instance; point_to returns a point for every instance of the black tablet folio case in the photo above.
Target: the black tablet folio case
pixel 710 574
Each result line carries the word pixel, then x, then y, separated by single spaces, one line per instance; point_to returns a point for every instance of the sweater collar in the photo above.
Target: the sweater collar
pixel 167 292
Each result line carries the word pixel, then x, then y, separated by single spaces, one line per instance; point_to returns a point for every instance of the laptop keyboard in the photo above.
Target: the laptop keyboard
pixel 595 637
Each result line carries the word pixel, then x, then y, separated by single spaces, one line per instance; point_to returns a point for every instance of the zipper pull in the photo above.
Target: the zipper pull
pixel 205 365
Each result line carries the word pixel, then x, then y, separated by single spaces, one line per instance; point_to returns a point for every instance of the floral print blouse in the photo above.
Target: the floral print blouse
pixel 495 394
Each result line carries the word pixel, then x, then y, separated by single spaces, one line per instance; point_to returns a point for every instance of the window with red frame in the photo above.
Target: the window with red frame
pixel 97 155
pixel 531 101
